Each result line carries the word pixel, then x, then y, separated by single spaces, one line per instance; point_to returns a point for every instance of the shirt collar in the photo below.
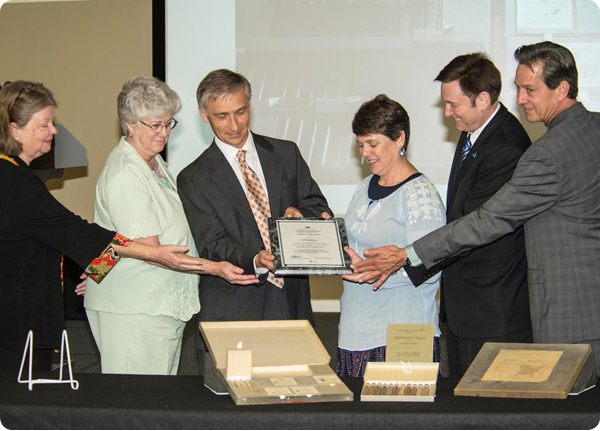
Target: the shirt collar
pixel 230 152
pixel 475 134
pixel 134 156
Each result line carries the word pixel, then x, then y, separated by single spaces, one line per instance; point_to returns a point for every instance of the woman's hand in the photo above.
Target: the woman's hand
pixel 80 288
pixel 229 272
pixel 168 256
pixel 174 257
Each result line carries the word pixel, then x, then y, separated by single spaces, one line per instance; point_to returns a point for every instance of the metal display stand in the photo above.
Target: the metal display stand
pixel 64 345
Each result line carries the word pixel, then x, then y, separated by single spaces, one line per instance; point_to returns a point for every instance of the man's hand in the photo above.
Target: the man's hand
pixel 381 263
pixel 292 212
pixel 264 259
pixel 384 260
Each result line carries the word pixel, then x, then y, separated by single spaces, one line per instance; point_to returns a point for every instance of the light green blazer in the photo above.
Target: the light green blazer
pixel 131 200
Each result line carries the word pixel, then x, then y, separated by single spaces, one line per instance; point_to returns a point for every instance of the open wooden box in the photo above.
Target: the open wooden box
pixel 287 363
pixel 400 381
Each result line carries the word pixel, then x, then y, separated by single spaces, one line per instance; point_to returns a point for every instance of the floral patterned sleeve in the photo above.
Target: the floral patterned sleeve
pixel 101 266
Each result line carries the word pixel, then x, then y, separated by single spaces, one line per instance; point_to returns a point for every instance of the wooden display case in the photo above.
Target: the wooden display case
pixel 287 363
pixel 400 381
pixel 529 370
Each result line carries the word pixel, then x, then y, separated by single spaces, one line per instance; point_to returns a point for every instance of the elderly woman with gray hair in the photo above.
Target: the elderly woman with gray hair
pixel 138 314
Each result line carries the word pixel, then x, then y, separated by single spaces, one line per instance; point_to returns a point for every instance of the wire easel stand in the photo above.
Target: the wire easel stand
pixel 64 345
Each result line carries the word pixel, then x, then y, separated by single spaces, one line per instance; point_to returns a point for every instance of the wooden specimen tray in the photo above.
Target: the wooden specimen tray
pixel 289 362
pixel 524 370
pixel 400 381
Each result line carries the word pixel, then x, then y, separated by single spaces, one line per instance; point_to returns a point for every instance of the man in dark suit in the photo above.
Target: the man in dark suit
pixel 554 192
pixel 483 293
pixel 227 194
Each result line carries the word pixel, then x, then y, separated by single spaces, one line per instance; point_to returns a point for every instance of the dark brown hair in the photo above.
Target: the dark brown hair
pixel 383 116
pixel 475 74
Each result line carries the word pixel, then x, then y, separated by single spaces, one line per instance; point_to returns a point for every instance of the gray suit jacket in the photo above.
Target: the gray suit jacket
pixel 555 193
pixel 224 228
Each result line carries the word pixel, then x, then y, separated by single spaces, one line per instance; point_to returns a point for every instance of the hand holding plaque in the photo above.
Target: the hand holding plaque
pixel 304 246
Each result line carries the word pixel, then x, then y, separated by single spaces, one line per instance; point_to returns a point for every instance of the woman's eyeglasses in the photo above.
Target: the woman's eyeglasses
pixel 27 87
pixel 157 127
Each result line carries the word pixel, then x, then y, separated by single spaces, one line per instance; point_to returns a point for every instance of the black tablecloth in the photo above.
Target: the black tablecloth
pixel 182 402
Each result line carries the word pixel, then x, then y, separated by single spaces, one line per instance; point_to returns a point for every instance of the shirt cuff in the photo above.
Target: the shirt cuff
pixel 101 266
pixel 412 255
pixel 258 271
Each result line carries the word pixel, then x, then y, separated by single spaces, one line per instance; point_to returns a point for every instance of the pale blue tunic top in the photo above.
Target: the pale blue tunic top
pixel 131 200
pixel 407 214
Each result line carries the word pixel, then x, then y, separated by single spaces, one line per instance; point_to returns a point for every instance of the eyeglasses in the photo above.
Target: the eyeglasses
pixel 26 87
pixel 157 127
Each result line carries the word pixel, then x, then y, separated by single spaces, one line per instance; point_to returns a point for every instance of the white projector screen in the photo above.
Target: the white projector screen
pixel 312 63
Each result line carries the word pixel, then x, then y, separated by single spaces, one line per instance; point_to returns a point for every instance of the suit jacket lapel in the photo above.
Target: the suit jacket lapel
pixel 453 183
pixel 272 167
pixel 482 140
pixel 458 174
pixel 498 118
pixel 226 180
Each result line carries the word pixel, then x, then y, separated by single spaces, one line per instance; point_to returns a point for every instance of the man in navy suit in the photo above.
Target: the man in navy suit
pixel 483 293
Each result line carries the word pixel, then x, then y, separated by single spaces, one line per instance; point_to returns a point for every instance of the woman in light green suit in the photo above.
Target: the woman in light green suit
pixel 139 313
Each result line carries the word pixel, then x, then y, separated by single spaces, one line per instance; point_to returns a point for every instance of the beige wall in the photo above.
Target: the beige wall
pixel 83 51
pixel 326 287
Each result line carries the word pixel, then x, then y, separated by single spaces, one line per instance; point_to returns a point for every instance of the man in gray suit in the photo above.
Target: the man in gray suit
pixel 240 171
pixel 554 192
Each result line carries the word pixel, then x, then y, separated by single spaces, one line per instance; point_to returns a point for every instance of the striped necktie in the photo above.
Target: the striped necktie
pixel 465 150
pixel 259 203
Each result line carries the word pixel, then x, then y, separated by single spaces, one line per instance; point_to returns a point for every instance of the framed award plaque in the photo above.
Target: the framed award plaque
pixel 309 246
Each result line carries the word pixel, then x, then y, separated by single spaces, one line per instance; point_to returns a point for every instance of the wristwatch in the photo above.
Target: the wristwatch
pixel 407 261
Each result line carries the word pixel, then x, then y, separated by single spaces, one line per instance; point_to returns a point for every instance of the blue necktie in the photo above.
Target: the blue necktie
pixel 465 150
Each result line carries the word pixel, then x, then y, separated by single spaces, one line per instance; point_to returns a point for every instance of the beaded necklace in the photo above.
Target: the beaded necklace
pixel 162 178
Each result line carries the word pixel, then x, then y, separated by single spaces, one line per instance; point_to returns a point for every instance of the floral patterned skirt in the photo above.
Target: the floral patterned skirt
pixel 353 363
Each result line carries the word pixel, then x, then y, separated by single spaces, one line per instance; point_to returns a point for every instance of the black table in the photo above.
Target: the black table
pixel 182 402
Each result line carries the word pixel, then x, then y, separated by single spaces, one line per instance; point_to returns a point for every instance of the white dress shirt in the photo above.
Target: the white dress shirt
pixel 253 162
pixel 475 133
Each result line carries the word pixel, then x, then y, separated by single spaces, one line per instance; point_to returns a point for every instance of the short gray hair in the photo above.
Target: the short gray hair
pixel 221 82
pixel 145 97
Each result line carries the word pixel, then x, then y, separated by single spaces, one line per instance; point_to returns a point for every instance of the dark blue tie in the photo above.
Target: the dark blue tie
pixel 465 150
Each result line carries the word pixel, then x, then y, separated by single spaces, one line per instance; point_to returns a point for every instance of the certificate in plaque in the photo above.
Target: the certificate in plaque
pixel 304 246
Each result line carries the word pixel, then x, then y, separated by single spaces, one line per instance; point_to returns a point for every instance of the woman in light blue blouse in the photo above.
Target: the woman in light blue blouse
pixel 395 205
